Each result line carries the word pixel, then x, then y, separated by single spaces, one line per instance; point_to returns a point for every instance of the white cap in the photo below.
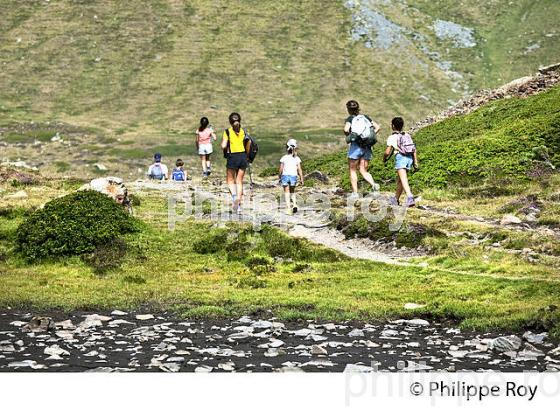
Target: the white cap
pixel 291 143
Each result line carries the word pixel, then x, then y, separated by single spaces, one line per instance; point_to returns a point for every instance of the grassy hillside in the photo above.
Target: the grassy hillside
pixel 144 72
pixel 507 141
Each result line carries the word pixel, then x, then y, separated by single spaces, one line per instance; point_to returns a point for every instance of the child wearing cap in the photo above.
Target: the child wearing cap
pixel 158 170
pixel 290 169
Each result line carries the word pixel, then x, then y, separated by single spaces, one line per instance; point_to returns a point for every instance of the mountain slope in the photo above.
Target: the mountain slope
pixel 156 66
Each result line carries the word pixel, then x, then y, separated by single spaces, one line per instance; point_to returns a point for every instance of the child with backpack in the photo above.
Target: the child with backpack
pixel 405 158
pixel 360 131
pixel 290 169
pixel 178 173
pixel 158 170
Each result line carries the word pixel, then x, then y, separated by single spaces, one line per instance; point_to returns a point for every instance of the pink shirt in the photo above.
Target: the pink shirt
pixel 205 136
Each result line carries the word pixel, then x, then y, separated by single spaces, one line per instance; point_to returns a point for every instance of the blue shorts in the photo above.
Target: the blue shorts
pixel 290 180
pixel 403 161
pixel 357 152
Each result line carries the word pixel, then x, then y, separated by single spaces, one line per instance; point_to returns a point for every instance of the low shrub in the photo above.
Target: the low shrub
pixel 106 256
pixel 75 224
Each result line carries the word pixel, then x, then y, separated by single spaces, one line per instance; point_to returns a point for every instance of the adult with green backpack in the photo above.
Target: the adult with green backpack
pixel 361 135
pixel 240 149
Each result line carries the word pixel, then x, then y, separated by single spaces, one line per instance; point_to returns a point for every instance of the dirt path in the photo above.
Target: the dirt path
pixel 302 224
pixel 306 225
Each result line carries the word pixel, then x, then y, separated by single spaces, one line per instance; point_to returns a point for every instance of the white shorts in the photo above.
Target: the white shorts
pixel 204 149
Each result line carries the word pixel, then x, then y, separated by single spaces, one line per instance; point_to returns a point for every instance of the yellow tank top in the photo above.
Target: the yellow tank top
pixel 235 140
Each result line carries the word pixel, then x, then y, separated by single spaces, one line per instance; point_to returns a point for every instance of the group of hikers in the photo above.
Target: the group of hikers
pixel 240 149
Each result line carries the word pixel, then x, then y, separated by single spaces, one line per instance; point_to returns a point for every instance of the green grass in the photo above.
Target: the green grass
pixel 498 146
pixel 168 270
pixel 122 67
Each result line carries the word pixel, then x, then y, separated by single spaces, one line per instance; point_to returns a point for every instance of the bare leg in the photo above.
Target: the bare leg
pixel 293 195
pixel 403 178
pixel 352 166
pixel 203 160
pixel 208 165
pixel 239 184
pixel 399 190
pixel 230 180
pixel 365 174
pixel 287 197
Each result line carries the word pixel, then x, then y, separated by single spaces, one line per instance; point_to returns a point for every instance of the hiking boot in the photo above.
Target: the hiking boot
pixel 354 196
pixel 410 201
pixel 294 209
pixel 394 201
pixel 239 209
pixel 375 188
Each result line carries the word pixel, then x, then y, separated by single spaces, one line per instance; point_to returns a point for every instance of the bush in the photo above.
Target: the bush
pixel 73 225
pixel 106 256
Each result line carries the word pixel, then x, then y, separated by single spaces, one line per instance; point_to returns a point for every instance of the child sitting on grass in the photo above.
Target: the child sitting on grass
pixel 405 158
pixel 158 170
pixel 290 168
pixel 178 173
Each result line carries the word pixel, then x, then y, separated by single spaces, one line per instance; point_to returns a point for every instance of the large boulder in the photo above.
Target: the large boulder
pixel 113 187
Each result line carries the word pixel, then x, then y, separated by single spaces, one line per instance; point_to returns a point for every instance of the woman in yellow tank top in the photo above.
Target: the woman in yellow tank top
pixel 233 144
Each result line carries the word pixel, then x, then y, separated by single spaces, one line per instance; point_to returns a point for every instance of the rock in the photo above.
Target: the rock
pixel 7 348
pixel 510 220
pixel 170 367
pixel 272 352
pixel 316 338
pixel 319 176
pixel 318 350
pixel 504 344
pixel 19 195
pixel 275 343
pixel 358 368
pixel 262 324
pixel 18 323
pixel 412 322
pixel 98 317
pixel 531 218
pixel 356 333
pixel 389 334
pixel 100 167
pixel 203 369
pixel 65 324
pixel 412 306
pixel 27 363
pixel 302 332
pixel 175 359
pixel 413 367
pixel 144 317
pixel 228 366
pixel 111 186
pixel 555 352
pixel 319 363
pixel 39 324
pixel 56 350
pixel 89 323
pixel 530 353
pixel 535 338
pixel 118 313
pixel 117 322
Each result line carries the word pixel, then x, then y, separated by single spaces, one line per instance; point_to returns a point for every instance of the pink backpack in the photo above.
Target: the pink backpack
pixel 405 144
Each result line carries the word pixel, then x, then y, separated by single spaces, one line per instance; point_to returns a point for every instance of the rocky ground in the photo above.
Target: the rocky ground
pixel 128 341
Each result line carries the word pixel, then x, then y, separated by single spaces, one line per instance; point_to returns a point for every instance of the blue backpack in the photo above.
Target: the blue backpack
pixel 178 175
